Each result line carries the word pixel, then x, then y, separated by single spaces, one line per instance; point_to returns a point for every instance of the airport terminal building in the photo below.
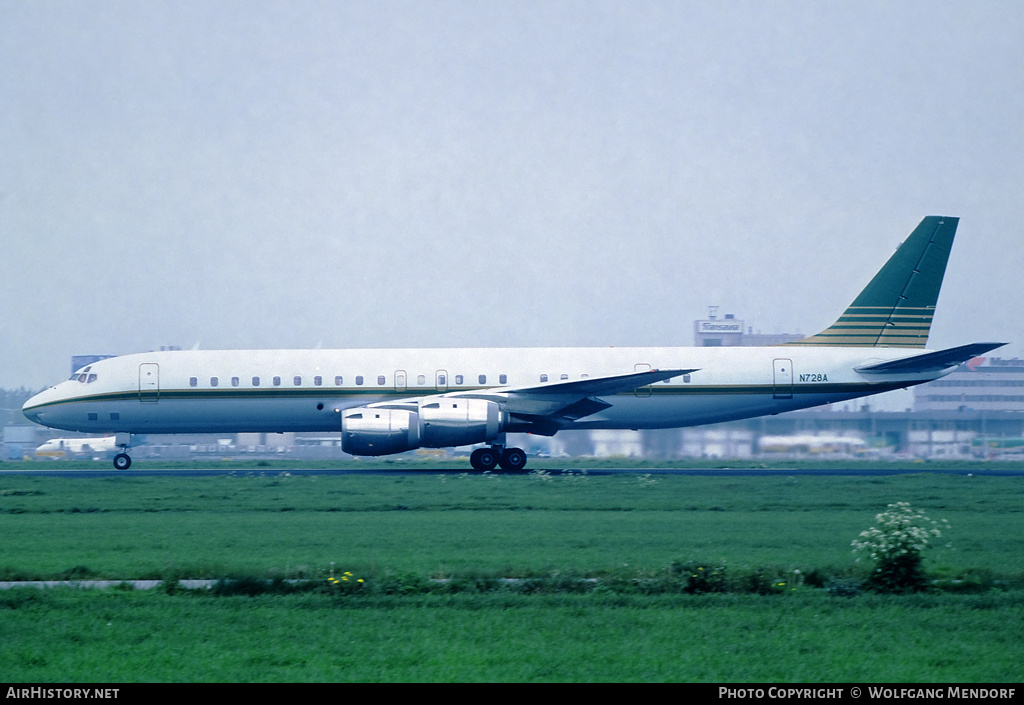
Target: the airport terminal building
pixel 982 384
pixel 729 331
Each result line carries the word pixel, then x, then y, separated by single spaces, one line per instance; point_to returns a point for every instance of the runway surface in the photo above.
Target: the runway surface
pixel 869 470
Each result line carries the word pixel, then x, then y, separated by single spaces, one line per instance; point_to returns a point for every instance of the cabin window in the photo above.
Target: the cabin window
pixel 214 381
pixel 234 381
pixel 277 381
pixel 421 379
pixel 502 379
pixel 686 378
pixel 298 381
pixel 114 416
pixel 94 417
pixel 318 380
pixel 359 380
pixel 483 379
pixel 458 379
pixel 193 381
pixel 338 381
pixel 380 380
pixel 543 378
pixel 255 381
pixel 563 376
pixel 442 380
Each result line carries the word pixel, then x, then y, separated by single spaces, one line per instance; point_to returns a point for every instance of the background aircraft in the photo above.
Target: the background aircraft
pixel 71 447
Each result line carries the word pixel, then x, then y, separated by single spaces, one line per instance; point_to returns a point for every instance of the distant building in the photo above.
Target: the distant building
pixel 19 441
pixel 981 384
pixel 727 332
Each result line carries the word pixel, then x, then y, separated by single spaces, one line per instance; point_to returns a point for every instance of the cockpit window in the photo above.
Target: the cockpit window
pixel 84 376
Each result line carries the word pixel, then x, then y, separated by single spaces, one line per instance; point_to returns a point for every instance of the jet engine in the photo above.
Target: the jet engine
pixel 457 421
pixel 366 431
pixel 439 422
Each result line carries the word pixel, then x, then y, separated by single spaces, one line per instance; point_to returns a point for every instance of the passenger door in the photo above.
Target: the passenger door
pixel 149 382
pixel 782 378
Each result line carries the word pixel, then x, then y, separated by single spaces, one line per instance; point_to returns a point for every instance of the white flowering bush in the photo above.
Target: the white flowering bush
pixel 896 544
pixel 647 480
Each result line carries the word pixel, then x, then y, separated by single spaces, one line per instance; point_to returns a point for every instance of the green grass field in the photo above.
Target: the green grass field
pixel 624 531
pixel 111 636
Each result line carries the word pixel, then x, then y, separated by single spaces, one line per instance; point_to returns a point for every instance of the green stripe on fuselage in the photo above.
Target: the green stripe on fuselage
pixel 356 395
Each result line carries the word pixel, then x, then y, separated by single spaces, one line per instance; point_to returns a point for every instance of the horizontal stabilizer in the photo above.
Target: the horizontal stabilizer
pixel 930 362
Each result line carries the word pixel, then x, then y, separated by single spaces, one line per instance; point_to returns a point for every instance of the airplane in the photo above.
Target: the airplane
pixel 390 401
pixel 828 443
pixel 65 447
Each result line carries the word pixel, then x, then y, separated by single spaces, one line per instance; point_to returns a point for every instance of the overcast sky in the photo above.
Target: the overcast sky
pixel 447 174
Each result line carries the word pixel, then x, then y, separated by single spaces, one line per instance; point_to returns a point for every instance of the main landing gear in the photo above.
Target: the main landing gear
pixel 123 461
pixel 511 459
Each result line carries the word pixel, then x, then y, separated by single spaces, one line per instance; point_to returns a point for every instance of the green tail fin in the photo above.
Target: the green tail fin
pixel 895 309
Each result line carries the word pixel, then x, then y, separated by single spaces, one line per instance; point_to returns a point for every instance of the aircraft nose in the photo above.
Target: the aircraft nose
pixel 33 409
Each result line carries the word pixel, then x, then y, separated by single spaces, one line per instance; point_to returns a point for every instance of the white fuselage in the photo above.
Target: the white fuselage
pixel 304 390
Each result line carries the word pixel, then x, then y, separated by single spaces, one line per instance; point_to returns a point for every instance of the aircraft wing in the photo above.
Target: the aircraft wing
pixel 929 362
pixel 547 406
pixel 552 397
pixel 591 386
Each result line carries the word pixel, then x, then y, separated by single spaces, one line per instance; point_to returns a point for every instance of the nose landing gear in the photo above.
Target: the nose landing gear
pixel 123 461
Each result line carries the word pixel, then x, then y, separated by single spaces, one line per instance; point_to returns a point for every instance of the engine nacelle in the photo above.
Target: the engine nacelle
pixel 457 421
pixel 440 422
pixel 366 431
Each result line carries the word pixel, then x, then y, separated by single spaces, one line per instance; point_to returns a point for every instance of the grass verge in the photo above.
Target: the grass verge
pixel 609 589
pixel 117 636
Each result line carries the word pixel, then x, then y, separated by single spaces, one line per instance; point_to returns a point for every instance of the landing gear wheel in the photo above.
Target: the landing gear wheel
pixel 513 459
pixel 483 459
pixel 122 461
